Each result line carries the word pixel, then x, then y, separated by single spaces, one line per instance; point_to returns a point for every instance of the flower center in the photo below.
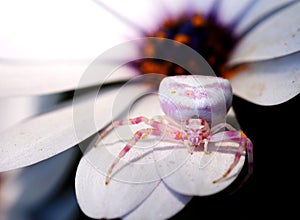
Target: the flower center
pixel 212 40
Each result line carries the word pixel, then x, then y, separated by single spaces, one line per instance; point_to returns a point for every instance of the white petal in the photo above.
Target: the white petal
pixel 15 109
pixel 277 36
pixel 46 53
pixel 162 203
pixel 172 9
pixel 43 136
pixel 203 7
pixel 230 10
pixel 269 82
pixel 36 78
pixel 194 174
pixel 98 200
pixel 139 15
pixel 257 11
pixel 57 30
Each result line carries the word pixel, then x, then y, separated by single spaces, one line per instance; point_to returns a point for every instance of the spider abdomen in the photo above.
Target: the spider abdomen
pixel 195 96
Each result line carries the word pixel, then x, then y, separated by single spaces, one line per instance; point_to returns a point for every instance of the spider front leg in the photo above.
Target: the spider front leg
pixel 159 122
pixel 131 121
pixel 169 135
pixel 245 144
pixel 159 128
pixel 137 136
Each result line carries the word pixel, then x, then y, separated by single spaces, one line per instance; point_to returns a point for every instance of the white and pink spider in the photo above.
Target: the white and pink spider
pixel 190 104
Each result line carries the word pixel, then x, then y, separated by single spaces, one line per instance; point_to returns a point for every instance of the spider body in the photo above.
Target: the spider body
pixel 196 131
pixel 195 107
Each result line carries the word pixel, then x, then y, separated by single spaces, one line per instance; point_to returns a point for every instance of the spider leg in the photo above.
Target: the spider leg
pixel 170 134
pixel 158 122
pixel 136 137
pixel 131 121
pixel 206 146
pixel 218 127
pixel 245 144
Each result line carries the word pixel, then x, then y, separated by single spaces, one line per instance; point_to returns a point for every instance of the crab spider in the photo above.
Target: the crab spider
pixel 190 123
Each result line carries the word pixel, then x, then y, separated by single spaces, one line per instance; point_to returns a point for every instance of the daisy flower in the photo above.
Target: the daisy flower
pixel 47 47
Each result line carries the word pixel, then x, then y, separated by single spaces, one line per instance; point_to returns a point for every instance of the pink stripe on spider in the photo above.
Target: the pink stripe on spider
pixel 126 148
pixel 238 155
pixel 122 154
pixel 138 135
pixel 118 123
pixel 155 124
pixel 156 132
pixel 136 120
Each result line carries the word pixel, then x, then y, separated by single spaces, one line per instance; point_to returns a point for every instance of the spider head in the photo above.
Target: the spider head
pixel 196 130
